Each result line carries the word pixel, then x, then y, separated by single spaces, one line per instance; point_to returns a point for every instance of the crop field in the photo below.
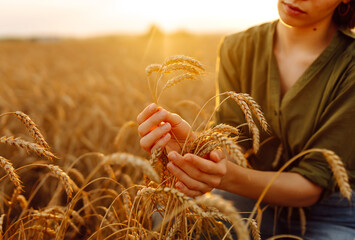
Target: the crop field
pixel 84 96
pixel 71 163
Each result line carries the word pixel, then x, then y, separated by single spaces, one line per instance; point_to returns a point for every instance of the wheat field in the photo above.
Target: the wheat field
pixel 71 164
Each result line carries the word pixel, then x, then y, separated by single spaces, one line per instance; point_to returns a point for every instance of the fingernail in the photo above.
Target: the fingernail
pixel 170 166
pixel 172 155
pixel 152 106
pixel 166 126
pixel 187 157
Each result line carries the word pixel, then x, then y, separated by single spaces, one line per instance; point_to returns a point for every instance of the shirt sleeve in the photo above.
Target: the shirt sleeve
pixel 335 132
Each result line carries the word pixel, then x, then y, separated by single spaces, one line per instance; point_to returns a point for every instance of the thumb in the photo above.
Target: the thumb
pixel 217 155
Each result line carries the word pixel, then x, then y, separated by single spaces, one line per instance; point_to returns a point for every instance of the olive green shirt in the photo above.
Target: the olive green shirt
pixel 318 111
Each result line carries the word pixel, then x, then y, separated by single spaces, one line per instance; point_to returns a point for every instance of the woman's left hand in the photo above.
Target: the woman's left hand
pixel 197 175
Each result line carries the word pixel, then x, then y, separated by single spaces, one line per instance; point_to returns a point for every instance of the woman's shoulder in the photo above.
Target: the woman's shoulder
pixel 349 40
pixel 252 36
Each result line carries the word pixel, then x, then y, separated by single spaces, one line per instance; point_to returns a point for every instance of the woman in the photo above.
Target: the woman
pixel 301 70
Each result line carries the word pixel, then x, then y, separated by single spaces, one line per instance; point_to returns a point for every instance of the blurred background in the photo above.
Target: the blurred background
pixel 83 18
pixel 77 68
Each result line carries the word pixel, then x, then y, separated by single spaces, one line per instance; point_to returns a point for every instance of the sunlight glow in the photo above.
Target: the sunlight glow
pixel 90 17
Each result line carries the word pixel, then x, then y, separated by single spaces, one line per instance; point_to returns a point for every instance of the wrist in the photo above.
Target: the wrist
pixel 230 181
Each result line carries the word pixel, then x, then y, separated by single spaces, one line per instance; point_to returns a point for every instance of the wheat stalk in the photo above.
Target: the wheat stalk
pixel 277 156
pixel 302 220
pixel 22 200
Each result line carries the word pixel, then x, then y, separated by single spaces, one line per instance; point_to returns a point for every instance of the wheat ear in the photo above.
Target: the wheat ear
pixel 50 232
pixel 183 59
pixel 1 223
pixel 256 110
pixel 152 68
pixel 31 147
pixel 226 129
pixel 339 172
pixel 141 163
pixel 180 67
pixel 10 171
pixel 228 210
pixel 254 230
pixel 231 147
pixel 155 156
pixel 32 128
pixel 175 228
pixel 178 79
pixel 64 178
pixel 240 100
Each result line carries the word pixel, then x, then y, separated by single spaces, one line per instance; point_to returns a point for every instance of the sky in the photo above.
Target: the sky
pixel 83 18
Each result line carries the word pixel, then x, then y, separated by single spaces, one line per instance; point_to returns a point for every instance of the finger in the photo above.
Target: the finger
pixel 191 193
pixel 152 122
pixel 148 140
pixel 216 155
pixel 147 112
pixel 189 168
pixel 190 183
pixel 161 143
pixel 205 165
pixel 174 119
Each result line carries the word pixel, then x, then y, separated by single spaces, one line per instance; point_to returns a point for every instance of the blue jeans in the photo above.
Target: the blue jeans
pixel 331 219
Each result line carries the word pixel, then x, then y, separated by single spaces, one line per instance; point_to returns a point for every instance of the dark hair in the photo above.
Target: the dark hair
pixel 344 15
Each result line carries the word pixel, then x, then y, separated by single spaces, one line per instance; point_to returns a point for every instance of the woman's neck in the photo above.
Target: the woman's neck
pixel 312 39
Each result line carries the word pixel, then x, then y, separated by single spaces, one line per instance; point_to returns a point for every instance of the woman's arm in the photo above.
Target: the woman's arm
pixel 289 189
pixel 197 175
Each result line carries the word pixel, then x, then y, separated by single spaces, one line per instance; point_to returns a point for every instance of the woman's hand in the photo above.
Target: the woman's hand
pixel 197 175
pixel 156 126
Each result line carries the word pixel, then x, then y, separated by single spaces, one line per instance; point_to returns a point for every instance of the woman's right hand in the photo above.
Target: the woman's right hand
pixel 156 126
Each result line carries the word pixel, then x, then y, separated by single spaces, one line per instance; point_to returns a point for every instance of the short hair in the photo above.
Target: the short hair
pixel 345 20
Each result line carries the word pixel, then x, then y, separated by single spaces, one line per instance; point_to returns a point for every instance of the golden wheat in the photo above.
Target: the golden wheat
pixel 126 158
pixel 241 101
pixel 229 210
pixel 32 128
pixel 183 59
pixel 31 147
pixel 65 179
pixel 339 172
pixel 10 171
